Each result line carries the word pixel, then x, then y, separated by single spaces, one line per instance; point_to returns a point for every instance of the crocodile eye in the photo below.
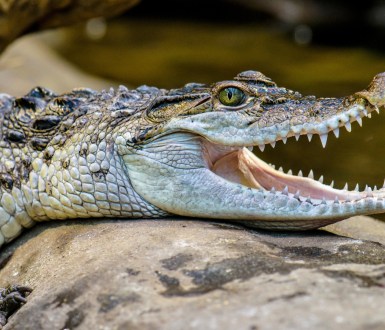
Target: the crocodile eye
pixel 231 96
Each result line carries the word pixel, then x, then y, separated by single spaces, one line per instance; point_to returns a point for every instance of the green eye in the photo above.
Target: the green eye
pixel 231 96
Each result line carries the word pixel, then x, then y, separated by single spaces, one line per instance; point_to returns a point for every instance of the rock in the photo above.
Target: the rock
pixel 186 274
pixel 360 227
pixel 18 17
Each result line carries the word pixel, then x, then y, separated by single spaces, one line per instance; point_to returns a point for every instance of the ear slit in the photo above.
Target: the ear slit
pixel 168 106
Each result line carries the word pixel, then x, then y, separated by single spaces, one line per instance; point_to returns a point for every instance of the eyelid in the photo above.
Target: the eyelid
pixel 232 83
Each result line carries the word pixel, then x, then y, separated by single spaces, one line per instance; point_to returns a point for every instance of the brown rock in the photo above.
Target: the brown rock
pixel 360 227
pixel 18 17
pixel 186 274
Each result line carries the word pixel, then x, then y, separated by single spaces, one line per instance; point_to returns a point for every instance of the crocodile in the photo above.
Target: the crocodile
pixel 153 153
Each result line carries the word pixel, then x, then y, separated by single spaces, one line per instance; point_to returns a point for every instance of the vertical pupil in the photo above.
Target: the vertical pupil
pixel 229 94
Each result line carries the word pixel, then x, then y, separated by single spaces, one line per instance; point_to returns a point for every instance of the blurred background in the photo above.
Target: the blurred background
pixel 323 48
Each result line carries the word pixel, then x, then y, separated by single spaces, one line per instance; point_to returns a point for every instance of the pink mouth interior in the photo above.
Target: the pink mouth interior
pixel 243 167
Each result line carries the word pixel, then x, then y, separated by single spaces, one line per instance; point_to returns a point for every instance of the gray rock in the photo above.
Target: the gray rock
pixel 185 274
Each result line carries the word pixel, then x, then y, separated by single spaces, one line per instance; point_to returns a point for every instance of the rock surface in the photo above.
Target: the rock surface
pixel 360 227
pixel 185 274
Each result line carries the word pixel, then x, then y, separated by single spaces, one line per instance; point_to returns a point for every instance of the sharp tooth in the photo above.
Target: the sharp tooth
pixel 377 110
pixel 369 115
pixel 290 172
pixel 272 190
pixel 272 144
pixel 336 201
pixel 309 136
pixel 261 147
pixel 348 126
pixel 359 120
pixel 336 132
pixel 323 201
pixel 308 200
pixel 345 187
pixel 369 192
pixel 311 174
pixel 321 179
pixel 324 139
pixel 297 195
pixel 357 188
pixel 332 184
pixel 297 136
pixel 280 169
pixel 300 174
pixel 375 188
pixel 285 191
pixel 365 112
pixel 284 140
pixel 272 165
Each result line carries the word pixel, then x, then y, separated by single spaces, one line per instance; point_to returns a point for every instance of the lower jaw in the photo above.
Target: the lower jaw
pixel 243 167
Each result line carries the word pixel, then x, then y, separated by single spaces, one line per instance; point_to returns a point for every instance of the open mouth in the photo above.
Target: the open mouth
pixel 240 165
pixel 243 167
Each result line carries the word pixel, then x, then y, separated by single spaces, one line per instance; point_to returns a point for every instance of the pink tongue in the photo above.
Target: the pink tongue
pixel 228 167
pixel 247 169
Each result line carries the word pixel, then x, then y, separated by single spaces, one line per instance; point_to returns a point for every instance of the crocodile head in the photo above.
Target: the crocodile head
pixel 192 155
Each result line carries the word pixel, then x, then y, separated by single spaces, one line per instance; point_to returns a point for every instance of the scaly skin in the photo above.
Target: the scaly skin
pixel 151 153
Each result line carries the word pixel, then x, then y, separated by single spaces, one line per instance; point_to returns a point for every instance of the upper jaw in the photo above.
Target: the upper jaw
pixel 266 122
pixel 332 114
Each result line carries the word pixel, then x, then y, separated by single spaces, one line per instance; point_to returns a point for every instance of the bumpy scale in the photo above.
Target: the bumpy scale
pixel 151 153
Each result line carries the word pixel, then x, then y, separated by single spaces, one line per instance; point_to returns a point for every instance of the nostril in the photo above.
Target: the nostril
pixel 375 93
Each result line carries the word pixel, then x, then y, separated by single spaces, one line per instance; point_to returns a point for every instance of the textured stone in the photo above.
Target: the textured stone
pixel 172 274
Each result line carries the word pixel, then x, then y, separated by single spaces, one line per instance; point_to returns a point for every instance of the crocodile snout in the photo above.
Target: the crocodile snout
pixel 375 93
